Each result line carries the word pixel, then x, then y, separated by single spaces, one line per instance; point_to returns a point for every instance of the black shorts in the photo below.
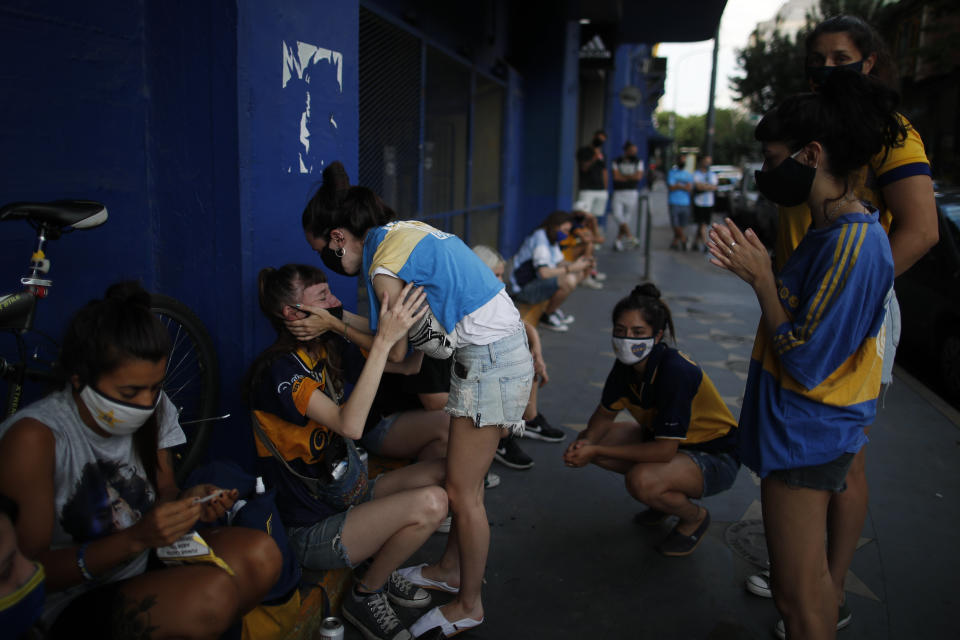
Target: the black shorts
pixel 434 377
pixel 701 215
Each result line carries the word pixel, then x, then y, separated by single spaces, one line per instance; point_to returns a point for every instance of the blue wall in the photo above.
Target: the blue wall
pixel 175 115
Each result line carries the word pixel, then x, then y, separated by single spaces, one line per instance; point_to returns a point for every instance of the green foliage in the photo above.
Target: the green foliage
pixel 733 134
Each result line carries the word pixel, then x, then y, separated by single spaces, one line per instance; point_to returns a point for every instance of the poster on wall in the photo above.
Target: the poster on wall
pixel 311 76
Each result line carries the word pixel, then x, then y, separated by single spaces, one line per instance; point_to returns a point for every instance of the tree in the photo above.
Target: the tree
pixel 733 135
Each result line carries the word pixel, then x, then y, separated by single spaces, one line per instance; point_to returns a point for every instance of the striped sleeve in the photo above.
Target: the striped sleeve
pixel 834 313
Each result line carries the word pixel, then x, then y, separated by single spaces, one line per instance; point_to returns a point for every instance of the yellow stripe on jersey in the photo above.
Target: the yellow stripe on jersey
pixel 854 242
pixel 395 249
pixel 292 441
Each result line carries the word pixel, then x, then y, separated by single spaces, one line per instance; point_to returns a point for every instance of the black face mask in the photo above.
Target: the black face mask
pixel 818 75
pixel 788 184
pixel 598 142
pixel 332 261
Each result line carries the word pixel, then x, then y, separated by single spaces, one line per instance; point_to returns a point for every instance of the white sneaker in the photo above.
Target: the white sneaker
pixel 591 283
pixel 553 323
pixel 759 584
pixel 563 317
pixel 618 245
pixel 599 277
pixel 491 480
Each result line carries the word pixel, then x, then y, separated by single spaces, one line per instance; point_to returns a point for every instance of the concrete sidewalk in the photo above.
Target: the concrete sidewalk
pixel 566 560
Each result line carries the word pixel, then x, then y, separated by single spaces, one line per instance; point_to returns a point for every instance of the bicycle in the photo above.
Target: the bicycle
pixel 192 377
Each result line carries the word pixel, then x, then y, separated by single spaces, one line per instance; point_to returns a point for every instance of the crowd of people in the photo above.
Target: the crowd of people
pixel 446 377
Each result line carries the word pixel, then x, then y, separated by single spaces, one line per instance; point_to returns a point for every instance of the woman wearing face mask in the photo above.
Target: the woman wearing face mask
pixel 491 375
pixel 816 366
pixel 683 443
pixel 304 430
pixel 101 442
pixel 541 273
pixel 898 184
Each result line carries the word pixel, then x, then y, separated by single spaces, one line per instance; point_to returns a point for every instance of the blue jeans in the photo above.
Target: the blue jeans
pixel 491 383
pixel 719 470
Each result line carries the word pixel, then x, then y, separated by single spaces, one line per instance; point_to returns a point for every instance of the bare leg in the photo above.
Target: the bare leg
pixel 845 517
pixel 417 434
pixel 470 454
pixel 530 412
pixel 668 487
pixel 794 520
pixel 568 282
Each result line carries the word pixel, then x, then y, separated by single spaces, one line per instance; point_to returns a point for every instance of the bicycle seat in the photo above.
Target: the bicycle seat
pixel 63 214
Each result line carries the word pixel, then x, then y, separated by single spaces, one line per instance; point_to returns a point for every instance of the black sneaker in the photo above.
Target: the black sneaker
pixel 406 594
pixel 510 454
pixel 373 616
pixel 552 323
pixel 540 429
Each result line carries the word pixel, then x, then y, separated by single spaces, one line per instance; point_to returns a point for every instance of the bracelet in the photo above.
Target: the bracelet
pixel 82 562
pixel 346 326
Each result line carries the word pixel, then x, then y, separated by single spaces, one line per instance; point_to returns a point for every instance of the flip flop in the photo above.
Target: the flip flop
pixel 434 619
pixel 678 544
pixel 415 575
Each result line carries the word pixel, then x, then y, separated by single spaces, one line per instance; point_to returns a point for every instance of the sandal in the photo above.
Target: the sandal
pixel 678 544
pixel 434 619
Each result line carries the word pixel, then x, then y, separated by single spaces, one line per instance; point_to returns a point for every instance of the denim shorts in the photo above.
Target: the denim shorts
pixel 490 383
pixel 719 470
pixel 319 547
pixel 372 440
pixel 679 214
pixel 829 476
pixel 537 290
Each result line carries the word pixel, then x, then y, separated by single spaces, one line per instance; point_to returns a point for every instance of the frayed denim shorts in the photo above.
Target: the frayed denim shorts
pixel 490 384
pixel 829 476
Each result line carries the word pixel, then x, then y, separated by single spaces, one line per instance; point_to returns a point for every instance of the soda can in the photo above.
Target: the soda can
pixel 331 628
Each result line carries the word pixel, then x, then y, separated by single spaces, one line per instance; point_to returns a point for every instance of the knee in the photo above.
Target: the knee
pixel 642 483
pixel 433 505
pixel 568 282
pixel 461 497
pixel 262 561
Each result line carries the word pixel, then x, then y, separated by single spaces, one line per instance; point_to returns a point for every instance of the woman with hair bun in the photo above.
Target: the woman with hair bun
pixel 683 444
pixel 815 370
pixel 470 315
pixel 91 469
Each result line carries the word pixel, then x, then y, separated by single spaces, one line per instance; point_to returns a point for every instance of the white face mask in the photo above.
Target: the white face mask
pixel 632 350
pixel 115 417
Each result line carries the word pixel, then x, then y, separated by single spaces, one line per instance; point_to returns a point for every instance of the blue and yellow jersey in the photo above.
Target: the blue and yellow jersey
pixel 456 281
pixel 888 166
pixel 280 404
pixel 675 399
pixel 813 384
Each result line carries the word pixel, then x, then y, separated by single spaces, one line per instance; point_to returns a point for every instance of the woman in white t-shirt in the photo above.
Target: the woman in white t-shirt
pixel 471 315
pixel 90 468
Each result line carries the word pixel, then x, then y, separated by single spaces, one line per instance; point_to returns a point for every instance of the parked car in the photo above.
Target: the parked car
pixel 750 210
pixel 930 307
pixel 728 178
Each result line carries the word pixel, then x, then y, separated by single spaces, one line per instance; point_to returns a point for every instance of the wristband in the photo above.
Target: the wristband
pixel 82 562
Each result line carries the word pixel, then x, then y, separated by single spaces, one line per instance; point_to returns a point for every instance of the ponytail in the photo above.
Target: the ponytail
pixel 645 298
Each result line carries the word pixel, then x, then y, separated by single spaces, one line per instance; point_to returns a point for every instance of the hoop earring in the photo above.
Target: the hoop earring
pixel 339 252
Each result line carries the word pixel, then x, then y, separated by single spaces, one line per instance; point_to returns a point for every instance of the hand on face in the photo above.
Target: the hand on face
pixel 318 322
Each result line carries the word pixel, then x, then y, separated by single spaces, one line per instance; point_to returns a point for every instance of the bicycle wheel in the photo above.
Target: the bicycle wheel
pixel 192 381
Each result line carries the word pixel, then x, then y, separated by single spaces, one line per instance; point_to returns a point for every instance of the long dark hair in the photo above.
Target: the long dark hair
pixel 552 223
pixel 865 38
pixel 337 204
pixel 107 333
pixel 645 298
pixel 852 115
pixel 279 288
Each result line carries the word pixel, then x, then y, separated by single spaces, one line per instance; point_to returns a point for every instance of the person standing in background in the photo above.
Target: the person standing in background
pixel 705 184
pixel 592 165
pixel 680 184
pixel 627 172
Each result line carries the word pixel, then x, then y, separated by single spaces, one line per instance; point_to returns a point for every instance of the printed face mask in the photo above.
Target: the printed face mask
pixel 788 184
pixel 20 609
pixel 632 350
pixel 332 261
pixel 115 417
pixel 818 75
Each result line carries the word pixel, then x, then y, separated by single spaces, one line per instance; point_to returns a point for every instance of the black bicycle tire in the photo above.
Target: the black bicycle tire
pixel 172 311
